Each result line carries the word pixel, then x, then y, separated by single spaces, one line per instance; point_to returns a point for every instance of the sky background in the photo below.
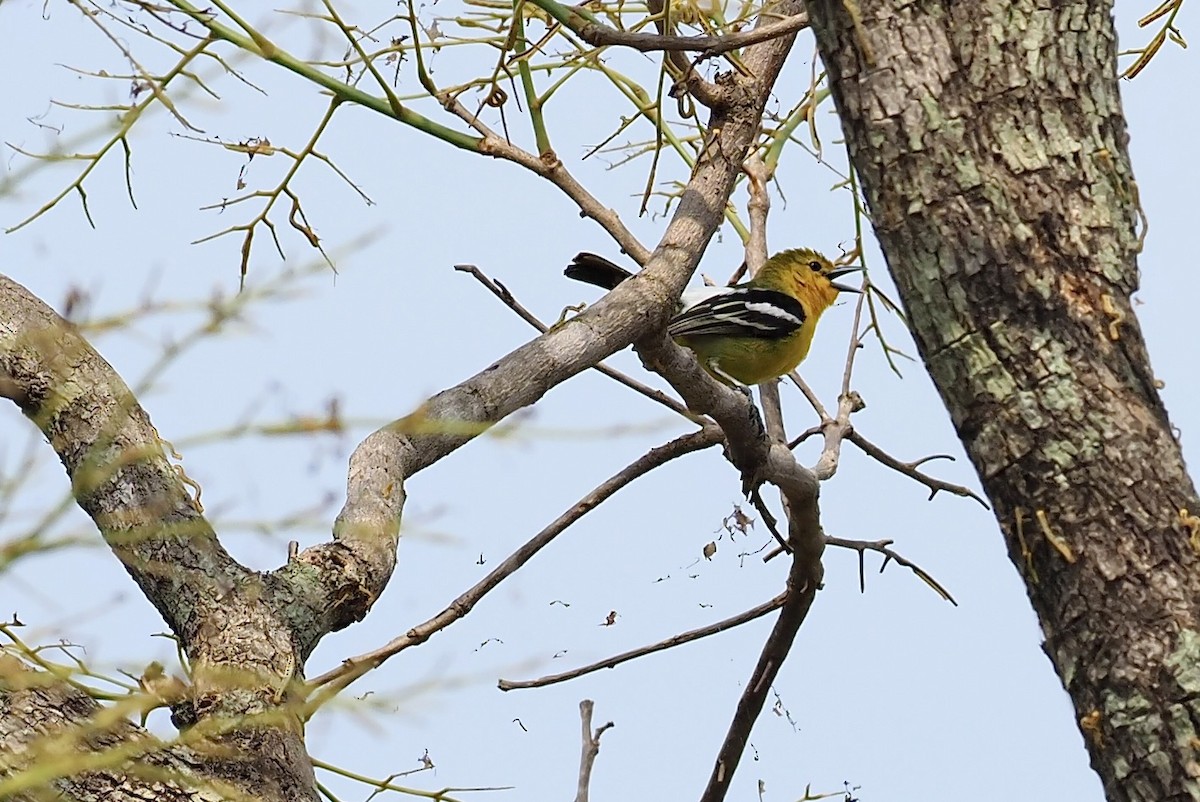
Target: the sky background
pixel 894 691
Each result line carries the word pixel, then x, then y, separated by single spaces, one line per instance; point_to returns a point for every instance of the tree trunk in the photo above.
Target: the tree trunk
pixel 991 148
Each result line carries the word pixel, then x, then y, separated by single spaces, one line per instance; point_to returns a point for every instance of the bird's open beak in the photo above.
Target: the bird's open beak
pixel 841 271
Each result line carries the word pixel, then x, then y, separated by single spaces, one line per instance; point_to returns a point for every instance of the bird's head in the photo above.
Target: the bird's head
pixel 811 275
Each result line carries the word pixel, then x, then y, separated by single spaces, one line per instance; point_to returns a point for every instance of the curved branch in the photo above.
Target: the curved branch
pixel 122 478
pixel 910 469
pixel 119 473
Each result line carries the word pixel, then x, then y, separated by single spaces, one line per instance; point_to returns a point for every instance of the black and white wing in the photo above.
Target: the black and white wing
pixel 737 312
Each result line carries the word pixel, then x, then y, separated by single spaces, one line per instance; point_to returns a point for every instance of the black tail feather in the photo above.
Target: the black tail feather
pixel 592 269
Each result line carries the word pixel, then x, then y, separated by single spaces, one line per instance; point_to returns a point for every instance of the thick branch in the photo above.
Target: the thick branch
pixel 114 457
pixel 55 739
pixel 226 617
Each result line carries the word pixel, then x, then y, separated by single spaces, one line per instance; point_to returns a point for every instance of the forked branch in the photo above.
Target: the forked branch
pixel 591 748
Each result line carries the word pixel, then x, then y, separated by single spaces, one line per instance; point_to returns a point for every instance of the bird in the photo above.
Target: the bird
pixel 751 332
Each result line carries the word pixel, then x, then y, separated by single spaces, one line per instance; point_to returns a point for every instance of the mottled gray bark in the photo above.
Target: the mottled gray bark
pixel 38 710
pixel 991 147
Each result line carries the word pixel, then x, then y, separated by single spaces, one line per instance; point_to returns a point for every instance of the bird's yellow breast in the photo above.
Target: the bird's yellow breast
pixel 749 360
pixel 753 360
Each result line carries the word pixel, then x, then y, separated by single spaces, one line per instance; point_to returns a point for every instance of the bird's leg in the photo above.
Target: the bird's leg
pixel 715 369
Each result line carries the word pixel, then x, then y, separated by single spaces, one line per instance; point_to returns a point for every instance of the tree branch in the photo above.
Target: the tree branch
pixel 889 555
pixel 591 748
pixel 49 729
pixel 509 300
pixel 119 472
pixel 910 469
pixel 122 478
pixel 624 657
pixel 803 582
pixel 369 522
pixel 600 35
pixel 355 667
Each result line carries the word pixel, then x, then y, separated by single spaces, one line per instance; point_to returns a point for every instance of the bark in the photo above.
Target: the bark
pixel 49 729
pixel 991 147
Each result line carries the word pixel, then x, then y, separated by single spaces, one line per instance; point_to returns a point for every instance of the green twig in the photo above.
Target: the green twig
pixel 344 91
pixel 126 123
pixel 541 138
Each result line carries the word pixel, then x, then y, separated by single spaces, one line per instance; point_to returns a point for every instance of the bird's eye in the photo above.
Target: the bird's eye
pixel 815 265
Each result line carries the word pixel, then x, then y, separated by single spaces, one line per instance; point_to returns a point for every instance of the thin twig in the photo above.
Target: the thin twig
pixel 355 667
pixel 809 394
pixel 849 402
pixel 388 783
pixel 882 547
pixel 909 469
pixel 591 748
pixel 599 35
pixel 633 654
pixel 768 519
pixel 549 167
pixel 505 295
pixel 811 431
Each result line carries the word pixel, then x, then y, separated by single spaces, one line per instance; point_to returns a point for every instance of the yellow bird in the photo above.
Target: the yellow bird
pixel 748 333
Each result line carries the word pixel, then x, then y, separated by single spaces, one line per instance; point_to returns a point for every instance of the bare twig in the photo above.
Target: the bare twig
pixel 767 518
pixel 354 667
pixel 599 35
pixel 633 654
pixel 910 468
pixel 809 394
pixel 591 748
pixel 759 206
pixel 505 295
pixel 546 165
pixel 882 547
pixel 811 431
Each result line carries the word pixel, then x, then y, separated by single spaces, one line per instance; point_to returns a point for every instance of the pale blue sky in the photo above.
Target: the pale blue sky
pixel 894 690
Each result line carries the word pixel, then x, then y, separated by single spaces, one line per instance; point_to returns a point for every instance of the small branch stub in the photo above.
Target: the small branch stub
pixel 591 748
